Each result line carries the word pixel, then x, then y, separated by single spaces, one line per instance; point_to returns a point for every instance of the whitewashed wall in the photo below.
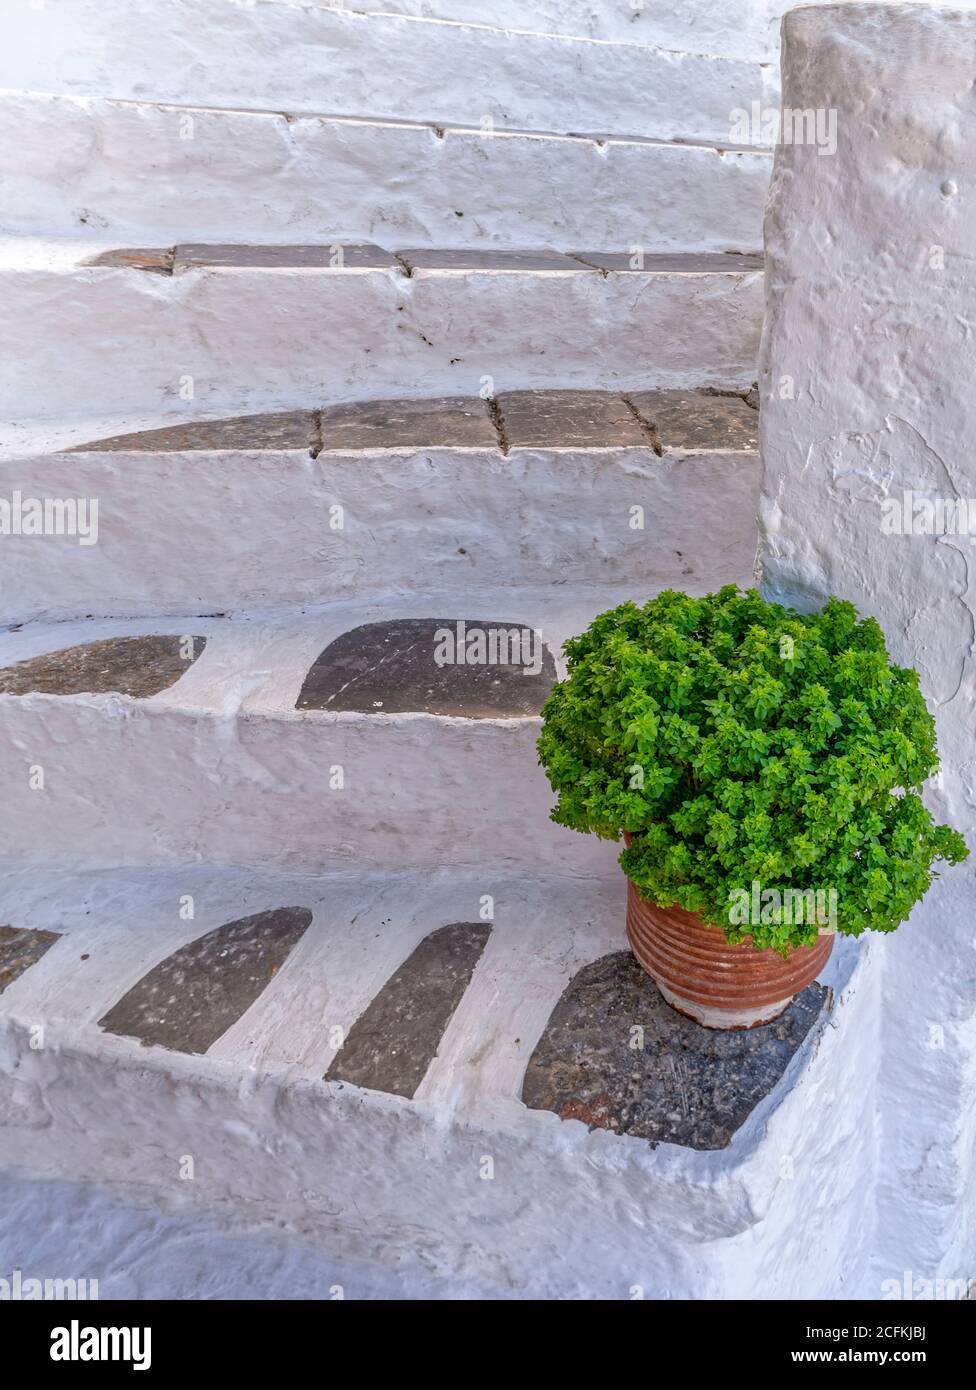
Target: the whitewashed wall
pixel 868 362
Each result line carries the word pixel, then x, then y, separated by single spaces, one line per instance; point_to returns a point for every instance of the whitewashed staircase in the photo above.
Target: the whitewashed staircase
pixel 523 387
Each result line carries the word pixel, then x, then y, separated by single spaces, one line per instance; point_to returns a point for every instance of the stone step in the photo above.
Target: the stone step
pixel 745 30
pixel 379 733
pixel 219 171
pixel 240 328
pixel 297 58
pixel 371 498
pixel 430 1064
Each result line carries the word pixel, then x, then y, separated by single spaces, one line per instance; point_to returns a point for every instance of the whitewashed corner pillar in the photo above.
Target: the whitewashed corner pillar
pixel 868 385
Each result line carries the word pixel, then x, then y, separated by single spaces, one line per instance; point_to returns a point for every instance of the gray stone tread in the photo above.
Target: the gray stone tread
pixel 687 421
pixel 432 666
pixel 393 1042
pixel 293 429
pixel 134 666
pixel 335 256
pixel 191 998
pixel 157 260
pixel 569 419
pixel 694 420
pixel 450 422
pixel 20 948
pixel 671 263
pixel 478 258
pixel 617 1057
pixel 610 1053
pixel 240 256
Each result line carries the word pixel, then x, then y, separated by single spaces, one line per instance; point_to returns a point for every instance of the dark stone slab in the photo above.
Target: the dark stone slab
pixel 293 429
pixel 406 666
pixel 697 420
pixel 157 260
pixel 190 999
pixel 226 256
pixel 688 1085
pixel 474 258
pixel 391 1045
pixel 667 263
pixel 20 948
pixel 136 666
pixel 448 422
pixel 568 420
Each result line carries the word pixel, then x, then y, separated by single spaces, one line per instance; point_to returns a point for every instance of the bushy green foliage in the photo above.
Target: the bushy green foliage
pixel 739 741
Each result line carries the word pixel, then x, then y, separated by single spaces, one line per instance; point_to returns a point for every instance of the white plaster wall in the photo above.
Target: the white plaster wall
pixel 254 339
pixel 872 321
pixel 236 531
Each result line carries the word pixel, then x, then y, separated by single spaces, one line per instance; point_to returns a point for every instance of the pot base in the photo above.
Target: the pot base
pixel 701 976
pixel 729 1020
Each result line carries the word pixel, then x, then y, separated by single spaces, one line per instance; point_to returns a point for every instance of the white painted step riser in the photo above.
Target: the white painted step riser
pixel 292 59
pixel 253 340
pixel 206 532
pixel 149 784
pixel 375 1184
pixel 744 29
pixel 218 174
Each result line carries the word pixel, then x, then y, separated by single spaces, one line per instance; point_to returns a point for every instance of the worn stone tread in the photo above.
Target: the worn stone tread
pixel 363 256
pixel 392 1044
pixel 569 419
pixel 671 262
pixel 294 429
pixel 683 1084
pixel 449 422
pixel 157 260
pixel 543 419
pixel 135 666
pixel 391 668
pixel 698 420
pixel 324 256
pixel 480 258
pixel 186 1002
pixel 20 948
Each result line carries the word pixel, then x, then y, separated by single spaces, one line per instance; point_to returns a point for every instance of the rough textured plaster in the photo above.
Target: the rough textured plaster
pixel 299 59
pixel 888 405
pixel 255 529
pixel 205 768
pixel 259 339
pixel 374 1180
pixel 75 166
pixel 687 1230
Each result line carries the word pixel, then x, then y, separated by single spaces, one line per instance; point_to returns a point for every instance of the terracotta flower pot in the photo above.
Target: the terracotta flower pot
pixel 701 975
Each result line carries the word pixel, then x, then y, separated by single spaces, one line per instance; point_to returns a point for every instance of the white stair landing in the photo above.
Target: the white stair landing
pixel 459 1187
